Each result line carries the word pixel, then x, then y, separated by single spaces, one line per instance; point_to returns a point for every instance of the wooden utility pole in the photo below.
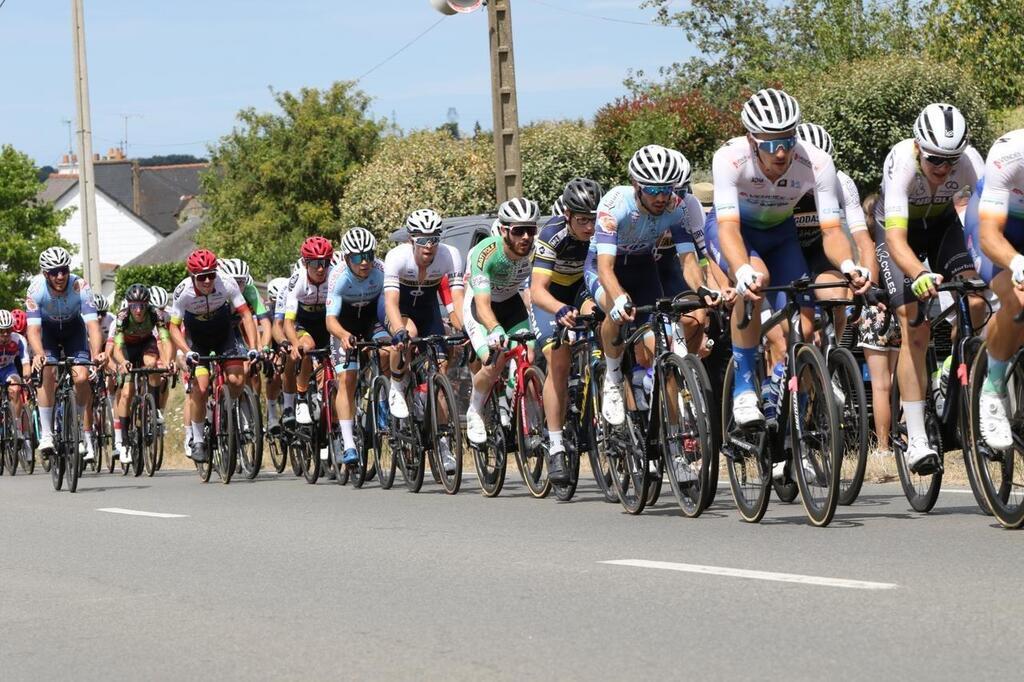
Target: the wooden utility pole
pixel 507 161
pixel 86 175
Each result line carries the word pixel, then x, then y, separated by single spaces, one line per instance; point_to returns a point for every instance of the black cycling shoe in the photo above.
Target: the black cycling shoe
pixel 199 453
pixel 557 472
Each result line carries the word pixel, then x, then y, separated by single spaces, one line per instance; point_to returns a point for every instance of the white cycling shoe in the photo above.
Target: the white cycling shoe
pixel 995 425
pixel 123 455
pixel 447 458
pixel 396 402
pixel 921 458
pixel 46 445
pixel 302 415
pixel 684 470
pixel 476 429
pixel 746 410
pixel 611 403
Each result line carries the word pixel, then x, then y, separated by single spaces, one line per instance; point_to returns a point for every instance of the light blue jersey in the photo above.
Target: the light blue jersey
pixel 43 305
pixel 625 229
pixel 348 291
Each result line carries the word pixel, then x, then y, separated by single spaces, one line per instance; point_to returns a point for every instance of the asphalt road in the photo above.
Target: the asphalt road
pixel 277 579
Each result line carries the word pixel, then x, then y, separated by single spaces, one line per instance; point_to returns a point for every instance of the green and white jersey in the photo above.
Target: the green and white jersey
pixel 492 271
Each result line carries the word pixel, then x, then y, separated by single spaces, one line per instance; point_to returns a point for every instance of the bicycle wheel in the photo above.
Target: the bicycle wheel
pixel 714 428
pixel 206 468
pixel 683 434
pixel 968 352
pixel 57 463
pixel 278 453
pixel 921 491
pixel 71 436
pixel 999 473
pixel 8 443
pixel 108 429
pixel 249 430
pixel 362 430
pixel 383 424
pixel 627 456
pixel 227 441
pixel 446 433
pixel 529 427
pixel 851 402
pixel 491 457
pixel 600 466
pixel 411 453
pixel 147 434
pixel 814 426
pixel 745 454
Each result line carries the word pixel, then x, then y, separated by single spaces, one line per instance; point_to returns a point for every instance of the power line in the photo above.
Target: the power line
pixel 598 16
pixel 2 3
pixel 400 50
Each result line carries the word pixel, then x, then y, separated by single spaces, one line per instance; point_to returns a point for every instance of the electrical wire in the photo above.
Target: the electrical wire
pixel 400 50
pixel 598 16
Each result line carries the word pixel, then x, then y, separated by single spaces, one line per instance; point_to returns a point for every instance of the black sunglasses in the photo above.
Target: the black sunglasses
pixel 206 276
pixel 57 272
pixel 942 160
pixel 523 230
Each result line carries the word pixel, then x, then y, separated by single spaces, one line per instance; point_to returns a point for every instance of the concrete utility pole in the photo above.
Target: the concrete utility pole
pixel 505 109
pixel 86 175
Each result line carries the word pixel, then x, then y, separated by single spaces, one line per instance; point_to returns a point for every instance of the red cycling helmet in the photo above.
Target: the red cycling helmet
pixel 316 247
pixel 201 260
pixel 20 320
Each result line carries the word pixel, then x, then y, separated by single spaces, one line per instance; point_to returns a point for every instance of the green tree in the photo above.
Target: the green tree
pixel 27 226
pixel 553 153
pixel 170 160
pixel 166 275
pixel 280 177
pixel 870 105
pixel 985 37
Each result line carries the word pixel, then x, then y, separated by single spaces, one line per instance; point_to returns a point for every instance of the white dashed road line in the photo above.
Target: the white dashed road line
pixel 136 512
pixel 754 575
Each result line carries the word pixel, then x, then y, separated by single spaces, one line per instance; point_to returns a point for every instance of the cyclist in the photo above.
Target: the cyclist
pixel 305 323
pixel 620 270
pixel 62 321
pixel 917 219
pixel 238 269
pixel 140 340
pixel 352 316
pixel 202 307
pixel 496 306
pixel 412 275
pixel 995 235
pixel 13 363
pixel 751 233
pixel 159 299
pixel 558 295
pixel 275 287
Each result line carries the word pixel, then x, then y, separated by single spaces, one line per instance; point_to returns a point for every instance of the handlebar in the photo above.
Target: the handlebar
pixel 961 287
pixel 518 337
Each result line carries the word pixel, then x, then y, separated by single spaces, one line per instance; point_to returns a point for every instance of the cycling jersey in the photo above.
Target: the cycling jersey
pixel 206 312
pixel 670 272
pixel 306 305
pixel 255 302
pixel 492 271
pixel 12 353
pixel 808 227
pixel 1000 198
pixel 44 305
pixel 559 254
pixel 625 228
pixel 131 332
pixel 402 274
pixel 348 296
pixel 106 321
pixel 907 201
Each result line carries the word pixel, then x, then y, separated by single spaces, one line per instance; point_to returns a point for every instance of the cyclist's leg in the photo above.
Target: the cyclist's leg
pixel 484 376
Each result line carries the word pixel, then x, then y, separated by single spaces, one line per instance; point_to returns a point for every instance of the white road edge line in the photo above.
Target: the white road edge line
pixel 754 575
pixel 136 512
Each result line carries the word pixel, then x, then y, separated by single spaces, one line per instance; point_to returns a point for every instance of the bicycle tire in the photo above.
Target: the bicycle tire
pixel 147 434
pixel 628 458
pixel 339 473
pixel 361 430
pixel 446 431
pixel 683 434
pixel 411 455
pixel 814 425
pixel 205 469
pixel 531 451
pixel 229 439
pixel 108 429
pixel 969 351
pixel 278 453
pixel 714 426
pixel 249 430
pixel 1003 497
pixel 853 422
pixel 491 457
pixel 97 432
pixel 382 452
pixel 921 491
pixel 27 451
pixel 599 465
pixel 748 476
pixel 71 436
pixel 8 451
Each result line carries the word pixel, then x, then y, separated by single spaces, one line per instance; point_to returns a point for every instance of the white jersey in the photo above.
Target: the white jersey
pixel 305 297
pixel 693 223
pixel 107 326
pixel 190 305
pixel 402 272
pixel 742 192
pixel 906 195
pixel 1003 194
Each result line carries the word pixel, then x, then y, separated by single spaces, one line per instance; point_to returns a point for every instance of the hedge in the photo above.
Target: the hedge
pixel 166 275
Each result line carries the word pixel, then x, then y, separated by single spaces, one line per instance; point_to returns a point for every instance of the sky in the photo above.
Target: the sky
pixel 182 69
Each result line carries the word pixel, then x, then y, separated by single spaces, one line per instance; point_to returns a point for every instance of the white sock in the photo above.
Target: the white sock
pixel 87 437
pixel 272 412
pixel 613 371
pixel 913 412
pixel 346 434
pixel 477 400
pixel 118 434
pixel 197 432
pixel 399 382
pixel 46 422
pixel 556 438
pixel 289 399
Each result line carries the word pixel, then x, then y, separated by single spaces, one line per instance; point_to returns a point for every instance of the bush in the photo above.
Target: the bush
pixel 870 105
pixel 554 153
pixel 687 122
pixel 166 275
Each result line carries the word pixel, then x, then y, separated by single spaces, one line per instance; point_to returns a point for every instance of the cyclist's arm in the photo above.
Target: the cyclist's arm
pixel 727 211
pixel 606 275
pixel 484 314
pixel 178 336
pixel 693 273
pixel 392 311
pixel 264 332
pixel 248 327
pixel 866 250
pixel 335 328
pixel 540 280
pixel 34 330
pixel 456 287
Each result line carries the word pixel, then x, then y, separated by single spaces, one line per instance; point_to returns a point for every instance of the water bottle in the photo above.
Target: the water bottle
pixel 419 402
pixel 642 380
pixel 771 392
pixel 503 411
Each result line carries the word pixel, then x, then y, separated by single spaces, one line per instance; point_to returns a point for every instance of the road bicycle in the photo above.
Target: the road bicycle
pixel 102 422
pixel 67 457
pixel 314 444
pixel 368 415
pixel 807 434
pixel 231 426
pixel 16 446
pixel 142 433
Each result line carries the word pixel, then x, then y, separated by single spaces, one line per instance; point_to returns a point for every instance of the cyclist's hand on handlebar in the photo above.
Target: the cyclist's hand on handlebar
pixel 37 362
pixel 566 315
pixel 347 341
pixel 712 297
pixel 192 358
pixel 400 338
pixel 749 282
pixel 100 357
pixel 924 285
pixel 859 276
pixel 1017 271
pixel 252 355
pixel 622 309
pixel 496 337
pixel 295 353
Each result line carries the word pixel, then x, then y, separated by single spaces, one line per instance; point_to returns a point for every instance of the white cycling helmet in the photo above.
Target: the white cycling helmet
pixel 54 257
pixel 358 240
pixel 424 223
pixel 158 297
pixel 6 319
pixel 235 268
pixel 496 228
pixel 100 302
pixel 275 286
pixel 519 211
pixel 941 130
pixel 815 135
pixel 655 165
pixel 299 265
pixel 770 111
pixel 684 164
pixel 558 208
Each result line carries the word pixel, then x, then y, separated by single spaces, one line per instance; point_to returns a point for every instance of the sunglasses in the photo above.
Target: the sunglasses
pixel 426 241
pixel 359 258
pixel 205 276
pixel 318 262
pixel 137 306
pixel 656 190
pixel 584 218
pixel 57 272
pixel 942 160
pixel 523 230
pixel 772 146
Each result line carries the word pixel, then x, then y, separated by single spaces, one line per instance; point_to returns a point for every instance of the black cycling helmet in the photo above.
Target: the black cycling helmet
pixel 582 195
pixel 137 293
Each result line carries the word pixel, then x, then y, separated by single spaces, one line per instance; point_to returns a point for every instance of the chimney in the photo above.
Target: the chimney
pixel 136 190
pixel 95 157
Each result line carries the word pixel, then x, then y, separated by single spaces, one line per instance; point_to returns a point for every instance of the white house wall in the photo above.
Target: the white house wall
pixel 122 235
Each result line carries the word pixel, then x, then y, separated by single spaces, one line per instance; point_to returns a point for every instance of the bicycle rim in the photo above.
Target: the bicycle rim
pixel 921 491
pixel 744 454
pixel 491 457
pixel 249 429
pixel 71 437
pixel 229 453
pixel 600 466
pixel 683 435
pixel 382 451
pixel 446 432
pixel 814 427
pixel 529 427
pixel 851 403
